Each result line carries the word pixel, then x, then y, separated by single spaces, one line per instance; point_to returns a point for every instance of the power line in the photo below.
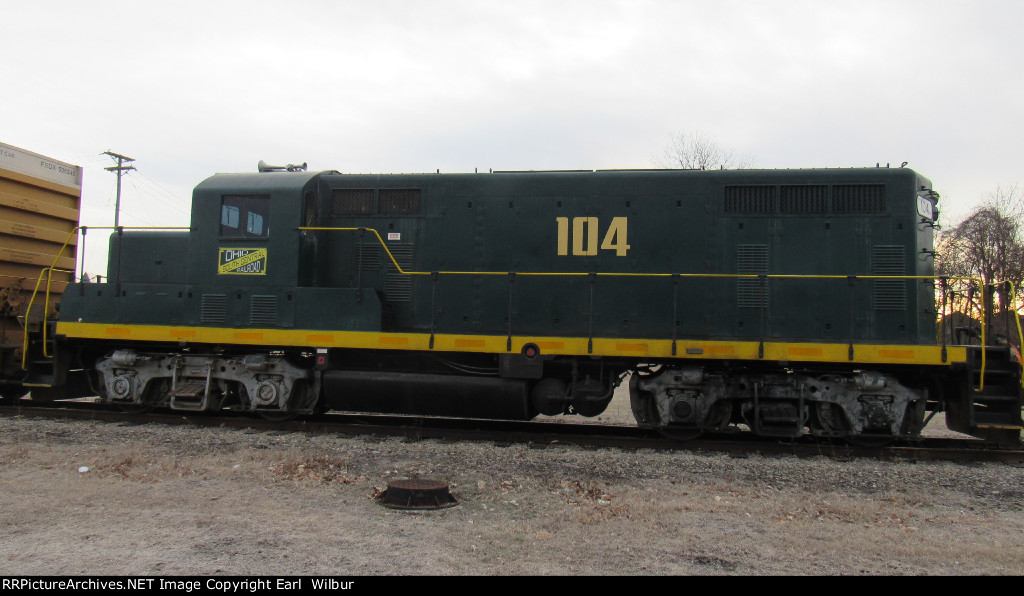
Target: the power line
pixel 168 197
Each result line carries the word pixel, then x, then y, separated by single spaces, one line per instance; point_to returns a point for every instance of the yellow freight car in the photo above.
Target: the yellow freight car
pixel 40 200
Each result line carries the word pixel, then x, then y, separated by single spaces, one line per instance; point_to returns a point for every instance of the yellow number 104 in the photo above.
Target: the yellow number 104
pixel 585 232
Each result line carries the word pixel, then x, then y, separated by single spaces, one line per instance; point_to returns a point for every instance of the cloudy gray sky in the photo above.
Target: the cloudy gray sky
pixel 192 88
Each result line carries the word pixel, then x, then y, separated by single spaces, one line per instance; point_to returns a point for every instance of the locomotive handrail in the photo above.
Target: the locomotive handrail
pixel 1012 290
pixel 394 262
pixel 625 274
pixel 48 271
pixel 1016 319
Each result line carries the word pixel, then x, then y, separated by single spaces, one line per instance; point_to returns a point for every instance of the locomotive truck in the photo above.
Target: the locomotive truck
pixel 786 302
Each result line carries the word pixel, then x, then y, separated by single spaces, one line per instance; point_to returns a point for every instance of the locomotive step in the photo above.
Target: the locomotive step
pixel 40 372
pixel 1010 418
pixel 780 420
pixel 985 397
pixel 189 390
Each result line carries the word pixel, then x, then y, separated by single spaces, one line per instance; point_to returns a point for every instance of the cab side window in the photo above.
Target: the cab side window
pixel 245 216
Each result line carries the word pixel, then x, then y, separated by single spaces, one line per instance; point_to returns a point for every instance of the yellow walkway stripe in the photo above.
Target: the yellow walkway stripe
pixel 497 344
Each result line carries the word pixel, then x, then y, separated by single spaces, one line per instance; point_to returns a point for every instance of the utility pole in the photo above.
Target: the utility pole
pixel 119 168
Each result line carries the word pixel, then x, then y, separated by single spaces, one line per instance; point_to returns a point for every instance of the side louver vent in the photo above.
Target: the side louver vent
pixel 214 308
pixel 263 310
pixel 751 259
pixel 368 255
pixel 889 260
pixel 398 286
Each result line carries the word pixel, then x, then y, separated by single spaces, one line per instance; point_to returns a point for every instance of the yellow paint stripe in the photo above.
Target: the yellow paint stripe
pixel 804 351
pixel 497 344
pixel 896 353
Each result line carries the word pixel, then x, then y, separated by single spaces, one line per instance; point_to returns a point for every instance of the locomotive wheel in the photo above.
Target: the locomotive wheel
pixel 645 412
pixel 155 392
pixel 830 421
pixel 826 417
pixel 303 398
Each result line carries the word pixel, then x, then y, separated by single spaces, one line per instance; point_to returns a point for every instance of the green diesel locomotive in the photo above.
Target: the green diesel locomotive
pixel 784 301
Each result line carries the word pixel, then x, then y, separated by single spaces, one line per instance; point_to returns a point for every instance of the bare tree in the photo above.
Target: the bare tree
pixel 987 244
pixel 696 151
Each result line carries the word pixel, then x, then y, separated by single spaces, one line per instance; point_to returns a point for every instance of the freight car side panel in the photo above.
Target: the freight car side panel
pixel 39 206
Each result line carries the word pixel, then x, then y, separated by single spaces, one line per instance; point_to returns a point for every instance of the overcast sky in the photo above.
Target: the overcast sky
pixel 193 88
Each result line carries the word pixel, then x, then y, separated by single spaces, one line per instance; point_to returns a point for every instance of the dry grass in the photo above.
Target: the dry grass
pixel 182 500
pixel 305 467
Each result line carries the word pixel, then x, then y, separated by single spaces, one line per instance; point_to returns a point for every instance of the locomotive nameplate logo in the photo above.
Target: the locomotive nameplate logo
pixel 242 261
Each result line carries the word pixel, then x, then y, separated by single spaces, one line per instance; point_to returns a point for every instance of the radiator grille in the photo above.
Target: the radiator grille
pixel 809 198
pixel 368 201
pixel 749 199
pixel 396 201
pixel 858 198
pixel 804 199
pixel 352 201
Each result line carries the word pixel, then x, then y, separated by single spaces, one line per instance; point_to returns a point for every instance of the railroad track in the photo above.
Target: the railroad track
pixel 539 435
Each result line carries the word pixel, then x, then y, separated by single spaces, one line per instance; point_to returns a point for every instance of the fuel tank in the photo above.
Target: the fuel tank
pixel 428 394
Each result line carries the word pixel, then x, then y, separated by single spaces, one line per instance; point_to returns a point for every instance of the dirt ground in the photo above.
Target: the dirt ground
pixel 82 497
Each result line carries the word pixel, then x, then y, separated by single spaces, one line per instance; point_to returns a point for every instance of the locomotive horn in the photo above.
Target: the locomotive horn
pixel 264 167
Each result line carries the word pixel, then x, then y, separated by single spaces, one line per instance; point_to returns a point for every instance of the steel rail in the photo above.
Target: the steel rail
pixel 539 434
